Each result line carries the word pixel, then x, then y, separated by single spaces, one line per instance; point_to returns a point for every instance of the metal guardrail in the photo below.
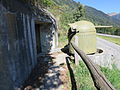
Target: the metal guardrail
pixel 100 81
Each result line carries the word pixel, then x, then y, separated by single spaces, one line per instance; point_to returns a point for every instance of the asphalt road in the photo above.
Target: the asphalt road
pixel 110 55
pixel 114 36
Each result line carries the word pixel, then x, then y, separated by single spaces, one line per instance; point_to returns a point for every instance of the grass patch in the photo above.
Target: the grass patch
pixel 111 39
pixel 62 41
pixel 113 75
pixel 84 80
pixel 82 77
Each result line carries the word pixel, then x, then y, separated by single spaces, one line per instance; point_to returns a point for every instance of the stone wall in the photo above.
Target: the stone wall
pixel 18 43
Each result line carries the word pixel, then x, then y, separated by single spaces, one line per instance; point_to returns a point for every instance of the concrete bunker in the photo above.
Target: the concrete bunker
pixel 46 39
pixel 18 40
pixel 38 38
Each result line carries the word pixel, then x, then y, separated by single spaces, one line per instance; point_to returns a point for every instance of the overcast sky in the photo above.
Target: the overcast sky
pixel 106 6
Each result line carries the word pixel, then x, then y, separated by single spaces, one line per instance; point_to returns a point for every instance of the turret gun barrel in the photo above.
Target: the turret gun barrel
pixel 103 26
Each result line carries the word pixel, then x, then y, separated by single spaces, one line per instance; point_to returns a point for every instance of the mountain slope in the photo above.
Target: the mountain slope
pixel 116 16
pixel 92 14
pixel 99 17
pixel 68 3
pixel 112 14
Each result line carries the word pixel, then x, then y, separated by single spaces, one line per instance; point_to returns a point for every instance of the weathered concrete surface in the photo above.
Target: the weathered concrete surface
pixel 110 55
pixel 18 54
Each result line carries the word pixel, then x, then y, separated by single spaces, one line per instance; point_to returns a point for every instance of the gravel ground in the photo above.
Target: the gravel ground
pixel 56 78
pixel 49 74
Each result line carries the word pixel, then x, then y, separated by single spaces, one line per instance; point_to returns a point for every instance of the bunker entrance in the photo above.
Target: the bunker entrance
pixel 38 38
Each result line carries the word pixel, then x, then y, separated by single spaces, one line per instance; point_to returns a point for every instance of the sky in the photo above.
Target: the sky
pixel 107 6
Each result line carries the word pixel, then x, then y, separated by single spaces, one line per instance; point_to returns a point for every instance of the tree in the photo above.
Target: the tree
pixel 79 14
pixel 46 3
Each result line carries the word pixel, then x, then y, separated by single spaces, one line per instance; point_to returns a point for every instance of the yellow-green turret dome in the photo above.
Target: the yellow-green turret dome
pixel 83 26
pixel 86 36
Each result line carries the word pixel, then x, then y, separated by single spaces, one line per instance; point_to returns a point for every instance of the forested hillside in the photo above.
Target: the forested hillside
pixel 70 4
pixel 69 11
pixel 99 17
pixel 66 11
pixel 92 14
pixel 63 8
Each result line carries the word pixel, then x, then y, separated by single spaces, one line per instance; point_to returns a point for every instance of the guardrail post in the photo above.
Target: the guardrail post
pixel 75 53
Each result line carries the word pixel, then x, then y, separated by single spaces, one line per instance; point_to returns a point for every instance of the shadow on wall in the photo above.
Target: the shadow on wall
pixel 45 76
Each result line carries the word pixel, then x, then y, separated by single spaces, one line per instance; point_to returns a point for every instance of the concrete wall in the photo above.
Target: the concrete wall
pixel 48 38
pixel 18 43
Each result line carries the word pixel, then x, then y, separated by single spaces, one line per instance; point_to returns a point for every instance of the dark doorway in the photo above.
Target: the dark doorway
pixel 38 38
